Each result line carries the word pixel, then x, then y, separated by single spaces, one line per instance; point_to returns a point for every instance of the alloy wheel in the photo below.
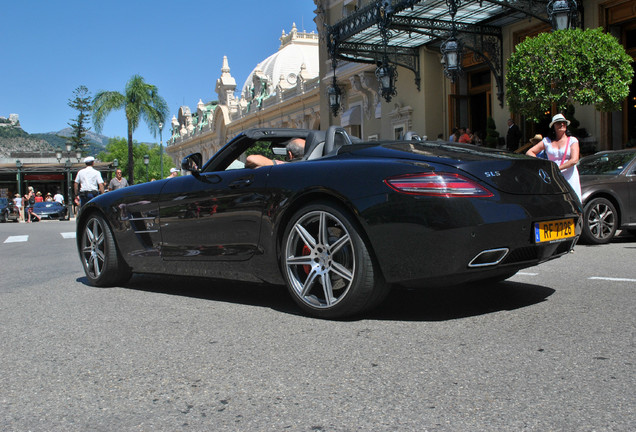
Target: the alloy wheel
pixel 320 259
pixel 601 221
pixel 94 248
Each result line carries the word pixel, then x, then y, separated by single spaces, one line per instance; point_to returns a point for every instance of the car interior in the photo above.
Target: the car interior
pixel 318 144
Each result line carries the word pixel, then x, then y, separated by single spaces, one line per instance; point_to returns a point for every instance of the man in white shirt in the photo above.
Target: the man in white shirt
pixel 88 182
pixel 58 197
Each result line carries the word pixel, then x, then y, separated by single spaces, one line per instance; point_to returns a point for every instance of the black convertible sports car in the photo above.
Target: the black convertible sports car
pixel 50 210
pixel 339 226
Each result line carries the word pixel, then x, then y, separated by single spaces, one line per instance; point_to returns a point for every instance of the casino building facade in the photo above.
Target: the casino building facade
pixel 381 68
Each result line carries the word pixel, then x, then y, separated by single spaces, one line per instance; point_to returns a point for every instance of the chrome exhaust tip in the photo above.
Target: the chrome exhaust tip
pixel 489 257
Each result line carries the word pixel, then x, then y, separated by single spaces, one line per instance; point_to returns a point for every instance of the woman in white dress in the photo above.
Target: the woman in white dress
pixel 562 150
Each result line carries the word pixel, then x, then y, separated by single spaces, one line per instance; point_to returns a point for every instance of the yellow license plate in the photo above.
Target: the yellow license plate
pixel 554 230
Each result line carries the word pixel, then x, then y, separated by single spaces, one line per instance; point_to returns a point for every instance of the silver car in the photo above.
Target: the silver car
pixel 608 186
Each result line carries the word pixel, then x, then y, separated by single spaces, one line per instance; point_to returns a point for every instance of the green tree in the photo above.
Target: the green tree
pixel 117 148
pixel 492 136
pixel 261 148
pixel 82 103
pixel 140 101
pixel 568 67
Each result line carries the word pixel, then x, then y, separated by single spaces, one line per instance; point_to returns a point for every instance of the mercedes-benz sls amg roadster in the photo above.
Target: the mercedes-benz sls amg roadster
pixel 339 225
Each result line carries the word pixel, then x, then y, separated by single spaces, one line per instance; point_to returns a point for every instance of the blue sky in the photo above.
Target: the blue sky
pixel 49 48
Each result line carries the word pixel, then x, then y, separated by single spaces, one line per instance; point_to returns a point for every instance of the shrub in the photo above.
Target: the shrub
pixel 568 67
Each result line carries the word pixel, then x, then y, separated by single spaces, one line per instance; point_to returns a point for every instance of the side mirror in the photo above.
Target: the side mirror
pixel 192 163
pixel 411 136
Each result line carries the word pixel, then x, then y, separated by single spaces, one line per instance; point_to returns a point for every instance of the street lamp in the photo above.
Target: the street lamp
pixel 68 164
pixel 452 57
pixel 146 162
pixel 562 13
pixel 161 149
pixel 386 75
pixel 18 165
pixel 334 94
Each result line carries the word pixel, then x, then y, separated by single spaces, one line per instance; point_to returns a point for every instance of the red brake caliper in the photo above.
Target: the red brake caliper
pixel 306 251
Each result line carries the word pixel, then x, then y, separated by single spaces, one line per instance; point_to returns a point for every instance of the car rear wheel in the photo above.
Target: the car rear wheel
pixel 327 265
pixel 600 221
pixel 102 262
pixel 5 217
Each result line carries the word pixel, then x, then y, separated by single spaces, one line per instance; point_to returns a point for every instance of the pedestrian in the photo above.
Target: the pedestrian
pixel 467 136
pixel 58 197
pixel 478 139
pixel 513 136
pixel 118 182
pixel 561 149
pixel 88 182
pixel 17 202
pixel 38 197
pixel 453 135
pixel 29 202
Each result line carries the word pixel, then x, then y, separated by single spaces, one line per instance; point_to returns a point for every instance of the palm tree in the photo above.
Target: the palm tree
pixel 141 101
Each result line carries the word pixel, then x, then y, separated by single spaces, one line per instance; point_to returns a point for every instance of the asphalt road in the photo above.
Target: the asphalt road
pixel 553 348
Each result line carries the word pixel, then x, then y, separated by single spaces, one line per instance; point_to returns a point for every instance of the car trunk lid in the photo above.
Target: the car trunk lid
pixel 505 171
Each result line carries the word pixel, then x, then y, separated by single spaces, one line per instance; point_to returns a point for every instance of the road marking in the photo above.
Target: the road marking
pixel 17 239
pixel 68 235
pixel 527 274
pixel 613 279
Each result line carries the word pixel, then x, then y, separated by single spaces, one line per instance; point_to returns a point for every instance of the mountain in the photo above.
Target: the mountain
pixel 93 137
pixel 96 142
pixel 14 139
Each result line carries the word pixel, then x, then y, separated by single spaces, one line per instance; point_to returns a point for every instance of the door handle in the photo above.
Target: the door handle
pixel 242 182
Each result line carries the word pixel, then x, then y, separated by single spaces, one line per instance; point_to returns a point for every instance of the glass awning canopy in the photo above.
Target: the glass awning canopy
pixel 397 28
pixel 421 22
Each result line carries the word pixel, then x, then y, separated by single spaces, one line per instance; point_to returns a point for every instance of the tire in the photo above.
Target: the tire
pixel 5 217
pixel 600 221
pixel 101 260
pixel 327 265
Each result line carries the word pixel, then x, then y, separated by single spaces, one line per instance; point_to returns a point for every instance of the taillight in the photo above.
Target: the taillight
pixel 438 184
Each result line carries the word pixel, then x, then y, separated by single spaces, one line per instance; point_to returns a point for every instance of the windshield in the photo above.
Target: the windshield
pixel 605 163
pixel 47 204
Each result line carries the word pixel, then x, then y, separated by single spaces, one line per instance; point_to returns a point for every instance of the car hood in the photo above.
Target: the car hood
pixel 505 171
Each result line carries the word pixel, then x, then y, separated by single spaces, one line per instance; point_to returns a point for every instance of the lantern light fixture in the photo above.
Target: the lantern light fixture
pixel 334 95
pixel 386 74
pixel 452 57
pixel 562 14
pixel 146 162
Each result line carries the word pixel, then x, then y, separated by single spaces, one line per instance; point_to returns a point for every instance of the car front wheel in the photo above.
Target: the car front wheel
pixel 101 260
pixel 601 221
pixel 327 265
